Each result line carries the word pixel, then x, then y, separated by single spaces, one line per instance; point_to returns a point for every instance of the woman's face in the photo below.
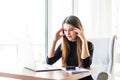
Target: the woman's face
pixel 69 32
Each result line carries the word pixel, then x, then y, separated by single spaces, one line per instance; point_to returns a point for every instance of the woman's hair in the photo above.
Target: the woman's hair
pixel 75 22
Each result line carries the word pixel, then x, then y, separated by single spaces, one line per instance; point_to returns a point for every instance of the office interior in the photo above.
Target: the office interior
pixel 29 26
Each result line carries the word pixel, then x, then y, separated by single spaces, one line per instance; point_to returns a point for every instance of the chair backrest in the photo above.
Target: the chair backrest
pixel 103 53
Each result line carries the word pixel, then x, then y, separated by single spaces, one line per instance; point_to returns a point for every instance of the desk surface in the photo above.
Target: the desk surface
pixel 26 74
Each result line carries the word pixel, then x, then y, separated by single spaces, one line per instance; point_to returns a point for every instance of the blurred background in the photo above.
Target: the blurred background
pixel 34 22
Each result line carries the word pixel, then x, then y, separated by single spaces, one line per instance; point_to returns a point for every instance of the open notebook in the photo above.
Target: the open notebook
pixel 31 64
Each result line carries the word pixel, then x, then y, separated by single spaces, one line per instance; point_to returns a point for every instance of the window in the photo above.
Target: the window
pixel 84 14
pixel 116 17
pixel 22 23
pixel 58 10
pixel 96 17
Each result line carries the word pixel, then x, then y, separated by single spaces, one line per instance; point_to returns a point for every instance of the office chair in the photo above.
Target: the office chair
pixel 102 76
pixel 104 49
pixel 103 53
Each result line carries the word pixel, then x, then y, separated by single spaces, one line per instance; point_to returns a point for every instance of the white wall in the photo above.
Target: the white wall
pixel 96 17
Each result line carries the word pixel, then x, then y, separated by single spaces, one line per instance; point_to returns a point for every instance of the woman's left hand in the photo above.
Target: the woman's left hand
pixel 80 33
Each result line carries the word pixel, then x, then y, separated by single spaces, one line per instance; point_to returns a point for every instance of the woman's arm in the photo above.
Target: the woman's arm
pixel 57 55
pixel 87 49
pixel 51 54
pixel 85 52
pixel 88 61
pixel 57 37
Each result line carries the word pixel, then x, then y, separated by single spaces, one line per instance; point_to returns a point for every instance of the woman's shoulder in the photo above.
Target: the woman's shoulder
pixel 89 42
pixel 90 45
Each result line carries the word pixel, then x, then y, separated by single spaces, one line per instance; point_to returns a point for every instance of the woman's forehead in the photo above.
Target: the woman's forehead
pixel 67 26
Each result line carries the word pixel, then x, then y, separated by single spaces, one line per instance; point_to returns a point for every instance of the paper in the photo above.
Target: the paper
pixel 76 70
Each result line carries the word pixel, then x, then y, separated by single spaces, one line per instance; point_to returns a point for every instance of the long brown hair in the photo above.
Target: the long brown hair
pixel 74 21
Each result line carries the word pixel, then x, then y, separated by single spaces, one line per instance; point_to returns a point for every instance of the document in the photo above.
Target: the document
pixel 76 70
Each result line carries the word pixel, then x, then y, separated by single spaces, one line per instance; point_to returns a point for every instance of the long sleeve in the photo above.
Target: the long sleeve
pixel 57 56
pixel 72 57
pixel 88 61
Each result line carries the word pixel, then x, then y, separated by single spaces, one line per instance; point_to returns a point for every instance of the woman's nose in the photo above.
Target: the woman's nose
pixel 68 32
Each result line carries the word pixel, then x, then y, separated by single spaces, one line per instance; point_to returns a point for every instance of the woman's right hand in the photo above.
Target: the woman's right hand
pixel 58 34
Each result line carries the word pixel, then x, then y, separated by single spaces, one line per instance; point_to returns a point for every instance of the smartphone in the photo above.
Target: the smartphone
pixel 70 68
pixel 62 30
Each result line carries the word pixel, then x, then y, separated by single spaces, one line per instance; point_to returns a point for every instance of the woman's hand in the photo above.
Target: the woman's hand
pixel 58 34
pixel 85 52
pixel 80 33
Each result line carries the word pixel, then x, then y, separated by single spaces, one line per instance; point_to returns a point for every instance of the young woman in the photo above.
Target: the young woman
pixel 74 49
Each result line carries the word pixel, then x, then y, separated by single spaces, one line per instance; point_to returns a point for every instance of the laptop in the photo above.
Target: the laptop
pixel 42 67
pixel 32 65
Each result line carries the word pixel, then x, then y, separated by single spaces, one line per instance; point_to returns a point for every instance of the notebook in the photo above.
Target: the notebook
pixel 31 64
